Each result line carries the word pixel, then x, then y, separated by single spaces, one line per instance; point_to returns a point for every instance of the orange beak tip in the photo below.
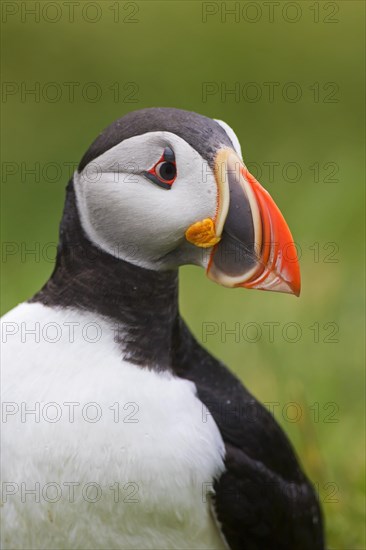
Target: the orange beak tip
pixel 296 290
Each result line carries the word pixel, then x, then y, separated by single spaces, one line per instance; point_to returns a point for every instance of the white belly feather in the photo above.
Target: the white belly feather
pixel 113 456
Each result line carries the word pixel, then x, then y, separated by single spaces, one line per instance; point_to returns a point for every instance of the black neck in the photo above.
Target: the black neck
pixel 142 303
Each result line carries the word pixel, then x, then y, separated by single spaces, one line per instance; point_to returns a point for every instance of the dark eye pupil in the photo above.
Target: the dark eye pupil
pixel 167 171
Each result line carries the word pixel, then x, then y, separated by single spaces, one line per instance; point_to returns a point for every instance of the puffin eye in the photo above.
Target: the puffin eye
pixel 164 172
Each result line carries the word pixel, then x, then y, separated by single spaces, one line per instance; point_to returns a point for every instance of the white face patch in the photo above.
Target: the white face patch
pixel 130 217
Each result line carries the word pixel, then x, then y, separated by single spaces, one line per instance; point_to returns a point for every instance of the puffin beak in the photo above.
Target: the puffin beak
pixel 255 248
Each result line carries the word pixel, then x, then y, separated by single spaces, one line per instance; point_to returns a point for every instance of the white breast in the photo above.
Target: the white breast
pixel 113 455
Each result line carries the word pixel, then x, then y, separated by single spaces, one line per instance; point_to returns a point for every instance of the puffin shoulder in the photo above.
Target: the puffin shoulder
pixel 263 499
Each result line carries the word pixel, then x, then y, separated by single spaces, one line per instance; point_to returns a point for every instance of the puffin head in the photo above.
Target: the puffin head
pixel 165 187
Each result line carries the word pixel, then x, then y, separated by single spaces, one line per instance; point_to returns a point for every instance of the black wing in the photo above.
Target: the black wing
pixel 263 500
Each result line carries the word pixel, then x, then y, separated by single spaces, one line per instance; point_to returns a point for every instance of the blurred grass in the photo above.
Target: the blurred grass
pixel 169 53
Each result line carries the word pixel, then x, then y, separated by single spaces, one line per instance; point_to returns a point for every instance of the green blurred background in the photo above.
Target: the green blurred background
pixel 123 56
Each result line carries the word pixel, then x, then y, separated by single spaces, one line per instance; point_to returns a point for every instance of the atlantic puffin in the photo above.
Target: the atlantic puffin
pixel 120 431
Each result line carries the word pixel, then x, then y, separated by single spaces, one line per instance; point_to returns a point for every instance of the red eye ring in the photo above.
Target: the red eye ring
pixel 164 172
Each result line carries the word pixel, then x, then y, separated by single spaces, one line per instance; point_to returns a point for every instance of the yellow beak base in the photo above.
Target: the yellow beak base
pixel 202 233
